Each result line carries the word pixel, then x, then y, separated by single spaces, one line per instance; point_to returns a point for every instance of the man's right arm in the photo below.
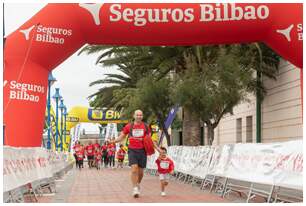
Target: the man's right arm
pixel 119 138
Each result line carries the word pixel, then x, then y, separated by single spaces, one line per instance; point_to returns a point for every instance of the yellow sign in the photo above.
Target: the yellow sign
pixel 80 114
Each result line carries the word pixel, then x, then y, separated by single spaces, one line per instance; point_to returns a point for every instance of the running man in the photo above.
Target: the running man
pixel 136 153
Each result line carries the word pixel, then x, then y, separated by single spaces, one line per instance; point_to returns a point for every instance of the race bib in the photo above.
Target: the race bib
pixel 89 151
pixel 77 149
pixel 164 165
pixel 138 132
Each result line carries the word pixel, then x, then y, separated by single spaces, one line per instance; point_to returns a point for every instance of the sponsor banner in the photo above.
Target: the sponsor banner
pixel 25 91
pixel 171 116
pixel 201 160
pixel 279 164
pixel 220 160
pixel 77 133
pixel 25 165
pixel 169 121
pixel 99 115
pixel 72 136
pixel 72 119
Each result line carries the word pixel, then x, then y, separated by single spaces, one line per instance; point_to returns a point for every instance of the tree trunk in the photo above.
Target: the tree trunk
pixel 191 129
pixel 211 133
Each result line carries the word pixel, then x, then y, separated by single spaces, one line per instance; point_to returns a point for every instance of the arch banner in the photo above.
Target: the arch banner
pixel 81 114
pixel 59 30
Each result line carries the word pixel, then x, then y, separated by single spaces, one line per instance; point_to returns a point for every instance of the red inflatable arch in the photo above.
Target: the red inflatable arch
pixel 59 30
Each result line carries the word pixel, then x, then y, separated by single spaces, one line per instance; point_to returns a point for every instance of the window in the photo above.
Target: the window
pixel 202 136
pixel 249 129
pixel 180 138
pixel 238 130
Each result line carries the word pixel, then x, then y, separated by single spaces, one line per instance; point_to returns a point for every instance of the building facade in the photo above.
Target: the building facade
pixel 281 113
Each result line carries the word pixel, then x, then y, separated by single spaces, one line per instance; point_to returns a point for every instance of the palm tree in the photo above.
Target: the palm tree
pixel 134 63
pixel 118 88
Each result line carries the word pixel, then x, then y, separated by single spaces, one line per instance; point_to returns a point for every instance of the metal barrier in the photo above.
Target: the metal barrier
pixel 287 195
pixel 14 195
pixel 41 186
pixel 30 191
pixel 261 190
pixel 224 186
pixel 241 187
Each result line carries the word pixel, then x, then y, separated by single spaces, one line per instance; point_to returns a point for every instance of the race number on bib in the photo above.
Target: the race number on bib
pixel 138 132
pixel 164 165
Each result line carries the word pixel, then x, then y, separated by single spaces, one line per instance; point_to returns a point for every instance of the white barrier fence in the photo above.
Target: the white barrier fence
pixel 25 165
pixel 279 164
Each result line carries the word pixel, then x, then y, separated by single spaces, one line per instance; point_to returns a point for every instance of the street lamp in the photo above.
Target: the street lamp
pixel 65 115
pixel 51 80
pixel 57 97
pixel 61 107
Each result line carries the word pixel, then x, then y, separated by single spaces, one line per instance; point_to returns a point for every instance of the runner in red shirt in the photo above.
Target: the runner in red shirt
pixel 90 154
pixel 80 156
pixel 165 167
pixel 111 151
pixel 98 158
pixel 136 153
pixel 120 156
pixel 76 148
pixel 104 153
pixel 96 145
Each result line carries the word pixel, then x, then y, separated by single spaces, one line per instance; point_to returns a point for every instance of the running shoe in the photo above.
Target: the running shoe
pixel 135 192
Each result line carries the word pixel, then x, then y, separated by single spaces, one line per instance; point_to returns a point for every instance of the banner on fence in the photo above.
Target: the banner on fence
pixel 279 164
pixel 24 165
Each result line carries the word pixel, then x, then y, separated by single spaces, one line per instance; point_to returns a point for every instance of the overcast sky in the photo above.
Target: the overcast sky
pixel 73 75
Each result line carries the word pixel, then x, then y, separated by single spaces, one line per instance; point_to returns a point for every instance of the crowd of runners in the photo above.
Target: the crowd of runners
pixel 99 155
pixel 139 146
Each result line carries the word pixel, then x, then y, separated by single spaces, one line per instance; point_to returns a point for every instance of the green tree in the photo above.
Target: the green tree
pixel 188 64
pixel 118 89
pixel 213 86
pixel 154 97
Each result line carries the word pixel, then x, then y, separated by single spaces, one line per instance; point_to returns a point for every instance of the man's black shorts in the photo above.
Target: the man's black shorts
pixel 137 156
pixel 90 157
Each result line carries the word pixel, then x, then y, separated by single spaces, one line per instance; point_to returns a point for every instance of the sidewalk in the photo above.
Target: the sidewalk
pixel 107 185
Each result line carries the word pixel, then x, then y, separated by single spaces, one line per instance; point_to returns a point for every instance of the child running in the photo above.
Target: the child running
pixel 104 153
pixel 120 156
pixel 165 167
pixel 80 156
pixel 98 158
pixel 77 147
pixel 90 154
pixel 111 151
